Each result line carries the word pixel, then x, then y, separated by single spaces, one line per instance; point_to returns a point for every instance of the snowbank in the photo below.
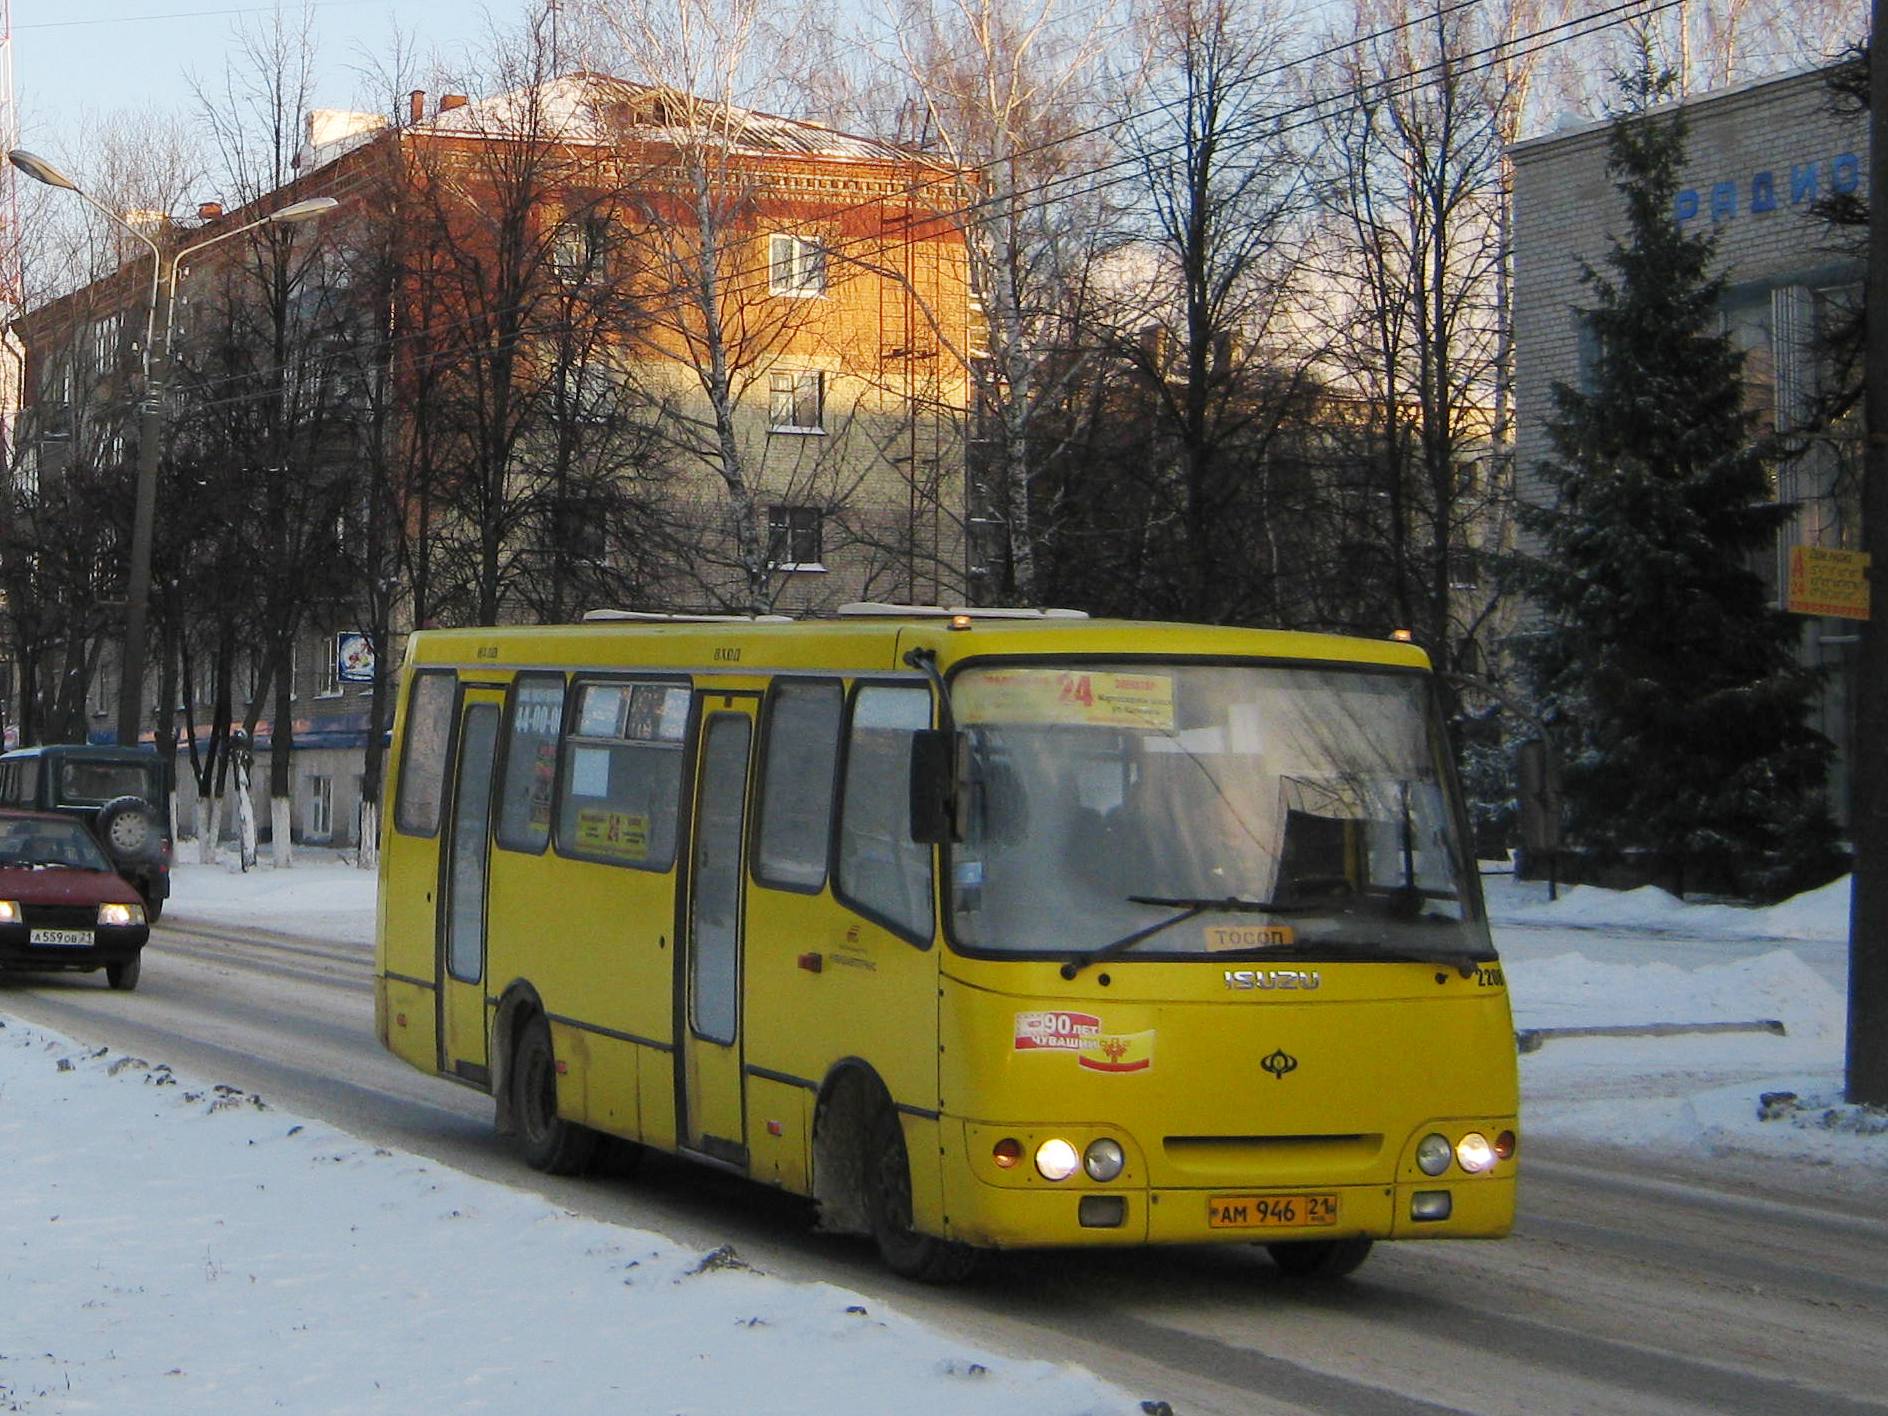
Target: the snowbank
pixel 1820 914
pixel 168 1246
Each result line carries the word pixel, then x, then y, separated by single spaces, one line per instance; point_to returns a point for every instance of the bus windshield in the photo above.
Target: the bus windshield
pixel 1144 811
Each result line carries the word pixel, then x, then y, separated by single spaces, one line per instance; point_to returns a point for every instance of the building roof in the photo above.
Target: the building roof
pixel 1573 126
pixel 597 108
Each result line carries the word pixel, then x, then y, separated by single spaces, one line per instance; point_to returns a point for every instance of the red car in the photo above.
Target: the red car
pixel 62 906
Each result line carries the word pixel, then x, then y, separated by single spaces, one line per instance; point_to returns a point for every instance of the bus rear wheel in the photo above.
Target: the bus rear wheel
pixel 1320 1258
pixel 547 1141
pixel 887 1175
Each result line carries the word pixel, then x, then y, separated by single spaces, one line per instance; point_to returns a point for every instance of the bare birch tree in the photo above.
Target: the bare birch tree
pixel 1211 336
pixel 740 275
pixel 524 438
pixel 1415 221
pixel 1001 89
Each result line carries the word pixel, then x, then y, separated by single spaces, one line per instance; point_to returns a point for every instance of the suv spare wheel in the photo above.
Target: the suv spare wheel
pixel 128 827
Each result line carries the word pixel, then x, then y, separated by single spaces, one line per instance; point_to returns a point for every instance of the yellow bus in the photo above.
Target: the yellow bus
pixel 985 930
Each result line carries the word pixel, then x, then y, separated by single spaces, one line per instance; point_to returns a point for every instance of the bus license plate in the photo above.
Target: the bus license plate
pixel 1270 1211
pixel 66 937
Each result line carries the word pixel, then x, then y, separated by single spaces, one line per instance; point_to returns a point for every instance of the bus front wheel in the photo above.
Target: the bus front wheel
pixel 547 1141
pixel 1320 1258
pixel 905 1252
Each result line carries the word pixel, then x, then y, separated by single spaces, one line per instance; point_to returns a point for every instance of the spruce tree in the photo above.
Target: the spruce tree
pixel 1668 676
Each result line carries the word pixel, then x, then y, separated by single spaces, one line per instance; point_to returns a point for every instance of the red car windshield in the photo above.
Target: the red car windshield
pixel 49 843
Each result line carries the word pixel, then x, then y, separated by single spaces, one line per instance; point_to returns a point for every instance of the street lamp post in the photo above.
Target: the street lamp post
pixel 154 366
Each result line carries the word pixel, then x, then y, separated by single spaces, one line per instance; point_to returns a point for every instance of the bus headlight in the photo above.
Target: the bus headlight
pixel 1474 1154
pixel 1103 1160
pixel 1056 1159
pixel 1432 1154
pixel 121 914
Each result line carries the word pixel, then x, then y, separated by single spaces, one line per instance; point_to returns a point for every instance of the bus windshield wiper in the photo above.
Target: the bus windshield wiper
pixel 1188 908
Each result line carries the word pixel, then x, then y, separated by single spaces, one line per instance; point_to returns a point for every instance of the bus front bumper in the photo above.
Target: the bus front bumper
pixel 1018 1208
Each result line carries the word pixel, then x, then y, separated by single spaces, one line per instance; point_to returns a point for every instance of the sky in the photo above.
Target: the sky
pixel 75 60
pixel 265 1285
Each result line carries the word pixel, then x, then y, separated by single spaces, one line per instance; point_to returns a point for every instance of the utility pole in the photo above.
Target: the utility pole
pixel 1867 1070
pixel 143 520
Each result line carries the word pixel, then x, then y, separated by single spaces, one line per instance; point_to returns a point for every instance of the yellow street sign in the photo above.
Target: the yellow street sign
pixel 1824 581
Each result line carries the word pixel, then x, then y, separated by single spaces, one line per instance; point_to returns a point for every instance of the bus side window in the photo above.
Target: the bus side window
pixel 796 800
pixel 524 810
pixel 622 774
pixel 882 871
pixel 423 760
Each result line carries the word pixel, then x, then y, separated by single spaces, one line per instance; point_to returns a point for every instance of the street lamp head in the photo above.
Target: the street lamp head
pixel 40 170
pixel 305 210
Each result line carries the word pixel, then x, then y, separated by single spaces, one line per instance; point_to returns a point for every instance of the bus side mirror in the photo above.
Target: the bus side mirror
pixel 933 785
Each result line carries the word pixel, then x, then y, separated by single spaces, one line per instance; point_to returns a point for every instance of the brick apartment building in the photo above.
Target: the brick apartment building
pixel 843 316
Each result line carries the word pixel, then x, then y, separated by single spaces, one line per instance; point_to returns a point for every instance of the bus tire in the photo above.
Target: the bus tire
pixel 123 975
pixel 545 1140
pixel 887 1174
pixel 1320 1258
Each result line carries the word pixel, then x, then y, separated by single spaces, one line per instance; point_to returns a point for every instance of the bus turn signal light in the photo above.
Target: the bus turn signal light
pixel 1006 1153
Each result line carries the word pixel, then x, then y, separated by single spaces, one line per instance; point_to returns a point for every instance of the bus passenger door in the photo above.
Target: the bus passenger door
pixel 461 969
pixel 713 1095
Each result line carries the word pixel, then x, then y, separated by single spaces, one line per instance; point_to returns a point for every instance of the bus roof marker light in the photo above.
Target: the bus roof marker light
pixel 1403 636
pixel 960 622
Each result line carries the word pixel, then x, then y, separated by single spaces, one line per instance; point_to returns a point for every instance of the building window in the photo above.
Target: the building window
pixel 105 689
pixel 796 265
pixel 793 538
pixel 591 389
pixel 107 337
pixel 328 671
pixel 320 819
pixel 578 249
pixel 796 402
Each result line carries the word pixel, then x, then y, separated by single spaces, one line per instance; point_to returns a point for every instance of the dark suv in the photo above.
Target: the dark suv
pixel 119 792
